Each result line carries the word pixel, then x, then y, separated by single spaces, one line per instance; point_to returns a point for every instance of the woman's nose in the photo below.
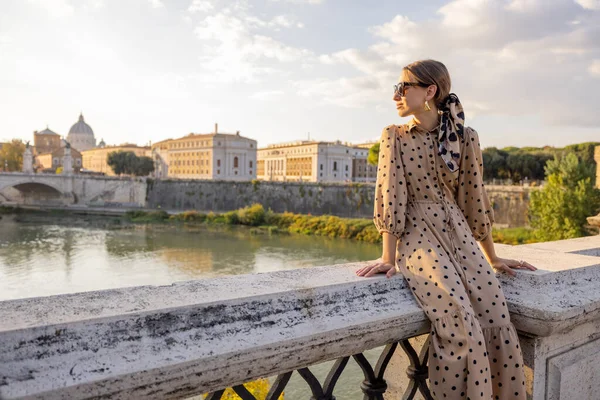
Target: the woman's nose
pixel 397 97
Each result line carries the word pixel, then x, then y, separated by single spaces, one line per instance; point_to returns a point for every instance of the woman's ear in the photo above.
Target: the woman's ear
pixel 431 91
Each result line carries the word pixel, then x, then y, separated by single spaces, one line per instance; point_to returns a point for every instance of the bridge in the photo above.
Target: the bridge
pixel 58 189
pixel 203 336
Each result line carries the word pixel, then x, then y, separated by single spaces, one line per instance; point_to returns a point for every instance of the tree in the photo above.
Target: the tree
pixel 559 210
pixel 373 157
pixel 144 167
pixel 494 162
pixel 117 160
pixel 11 155
pixel 126 162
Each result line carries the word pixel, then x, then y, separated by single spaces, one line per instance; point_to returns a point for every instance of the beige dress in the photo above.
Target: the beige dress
pixel 438 217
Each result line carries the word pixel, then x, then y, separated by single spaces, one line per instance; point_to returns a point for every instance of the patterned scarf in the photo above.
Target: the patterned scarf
pixel 452 125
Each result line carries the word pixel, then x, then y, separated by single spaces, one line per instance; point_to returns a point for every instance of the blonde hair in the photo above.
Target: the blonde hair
pixel 431 72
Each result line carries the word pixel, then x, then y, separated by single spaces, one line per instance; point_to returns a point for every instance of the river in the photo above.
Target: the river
pixel 43 255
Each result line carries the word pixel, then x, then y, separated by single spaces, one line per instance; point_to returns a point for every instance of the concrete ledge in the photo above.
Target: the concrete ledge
pixel 199 336
pixel 161 342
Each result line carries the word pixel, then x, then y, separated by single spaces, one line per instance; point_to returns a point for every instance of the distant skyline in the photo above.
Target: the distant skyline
pixel 527 71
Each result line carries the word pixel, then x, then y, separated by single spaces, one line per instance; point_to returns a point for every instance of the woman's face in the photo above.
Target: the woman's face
pixel 413 101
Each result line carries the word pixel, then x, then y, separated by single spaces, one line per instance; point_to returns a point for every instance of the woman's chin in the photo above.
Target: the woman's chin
pixel 403 113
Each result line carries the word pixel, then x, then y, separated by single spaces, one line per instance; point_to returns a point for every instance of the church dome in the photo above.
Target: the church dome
pixel 81 127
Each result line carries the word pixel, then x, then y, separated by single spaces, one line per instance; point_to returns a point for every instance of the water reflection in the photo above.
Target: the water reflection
pixel 41 255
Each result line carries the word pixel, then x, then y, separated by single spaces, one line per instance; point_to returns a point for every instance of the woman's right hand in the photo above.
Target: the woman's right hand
pixel 377 267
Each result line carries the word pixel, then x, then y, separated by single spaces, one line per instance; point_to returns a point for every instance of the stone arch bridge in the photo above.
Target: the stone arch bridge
pixel 25 188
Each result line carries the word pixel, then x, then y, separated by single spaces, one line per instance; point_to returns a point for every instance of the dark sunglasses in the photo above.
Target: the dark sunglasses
pixel 400 87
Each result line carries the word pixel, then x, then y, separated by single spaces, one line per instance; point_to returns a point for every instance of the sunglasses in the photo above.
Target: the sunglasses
pixel 400 87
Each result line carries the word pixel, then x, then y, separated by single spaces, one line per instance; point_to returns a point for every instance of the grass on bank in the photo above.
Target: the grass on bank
pixel 262 220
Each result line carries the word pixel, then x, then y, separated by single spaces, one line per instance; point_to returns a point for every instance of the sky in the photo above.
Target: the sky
pixel 526 71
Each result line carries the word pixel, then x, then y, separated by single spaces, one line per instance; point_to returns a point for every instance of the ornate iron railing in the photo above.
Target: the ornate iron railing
pixel 373 386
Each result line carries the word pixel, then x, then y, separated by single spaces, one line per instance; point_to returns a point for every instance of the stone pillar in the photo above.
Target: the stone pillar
pixel 28 160
pixel 67 161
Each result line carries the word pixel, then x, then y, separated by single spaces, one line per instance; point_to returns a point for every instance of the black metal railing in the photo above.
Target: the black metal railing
pixel 373 386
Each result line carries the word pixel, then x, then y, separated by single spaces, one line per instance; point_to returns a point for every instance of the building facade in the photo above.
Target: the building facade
pixel 97 159
pixel 46 141
pixel 219 156
pixel 315 161
pixel 50 162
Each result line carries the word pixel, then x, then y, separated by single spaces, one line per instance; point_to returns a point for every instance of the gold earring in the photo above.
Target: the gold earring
pixel 427 108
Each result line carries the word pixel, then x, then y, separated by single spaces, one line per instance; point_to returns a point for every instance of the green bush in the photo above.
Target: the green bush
pixel 231 218
pixel 514 236
pixel 189 216
pixel 559 209
pixel 252 216
pixel 147 216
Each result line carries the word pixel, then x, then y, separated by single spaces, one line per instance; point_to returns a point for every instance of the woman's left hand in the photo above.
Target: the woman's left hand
pixel 507 264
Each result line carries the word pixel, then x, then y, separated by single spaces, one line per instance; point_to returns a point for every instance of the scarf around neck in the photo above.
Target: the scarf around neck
pixel 452 126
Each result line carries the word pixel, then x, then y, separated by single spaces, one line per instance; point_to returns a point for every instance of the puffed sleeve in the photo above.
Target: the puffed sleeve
pixel 471 195
pixel 390 189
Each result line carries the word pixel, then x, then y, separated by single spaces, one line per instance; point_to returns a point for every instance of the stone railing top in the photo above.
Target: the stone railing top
pixel 197 336
pixel 588 245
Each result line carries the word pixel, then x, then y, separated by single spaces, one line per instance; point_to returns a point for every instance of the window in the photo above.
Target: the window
pixel 321 168
pixel 218 163
pixel 235 163
pixel 335 165
pixel 250 164
pixel 346 167
pixel 218 172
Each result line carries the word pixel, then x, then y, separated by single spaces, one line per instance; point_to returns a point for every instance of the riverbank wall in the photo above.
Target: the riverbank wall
pixel 352 200
pixel 343 200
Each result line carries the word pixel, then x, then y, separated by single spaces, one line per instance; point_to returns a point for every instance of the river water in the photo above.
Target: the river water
pixel 46 255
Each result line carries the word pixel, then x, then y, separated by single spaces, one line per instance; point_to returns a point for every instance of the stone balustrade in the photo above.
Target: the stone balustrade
pixel 189 338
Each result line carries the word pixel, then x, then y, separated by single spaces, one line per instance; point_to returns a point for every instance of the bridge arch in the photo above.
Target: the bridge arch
pixel 28 184
pixel 35 192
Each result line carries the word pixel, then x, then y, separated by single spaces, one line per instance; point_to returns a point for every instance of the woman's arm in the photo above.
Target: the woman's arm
pixel 487 245
pixel 502 264
pixel 389 248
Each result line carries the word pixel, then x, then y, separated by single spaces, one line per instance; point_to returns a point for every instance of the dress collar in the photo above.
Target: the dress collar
pixel 413 125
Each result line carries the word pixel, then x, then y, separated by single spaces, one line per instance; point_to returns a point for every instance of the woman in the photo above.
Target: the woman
pixel 432 209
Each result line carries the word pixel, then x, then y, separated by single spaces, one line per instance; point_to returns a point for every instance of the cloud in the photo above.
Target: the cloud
pixel 55 8
pixel 235 49
pixel 520 57
pixel 200 6
pixel 156 3
pixel 267 95
pixel 594 68
pixel 589 4
pixel 299 1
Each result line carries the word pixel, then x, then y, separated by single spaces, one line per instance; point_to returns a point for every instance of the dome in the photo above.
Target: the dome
pixel 81 127
pixel 102 143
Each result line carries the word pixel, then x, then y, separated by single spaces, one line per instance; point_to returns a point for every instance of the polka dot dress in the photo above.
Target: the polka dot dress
pixel 439 216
